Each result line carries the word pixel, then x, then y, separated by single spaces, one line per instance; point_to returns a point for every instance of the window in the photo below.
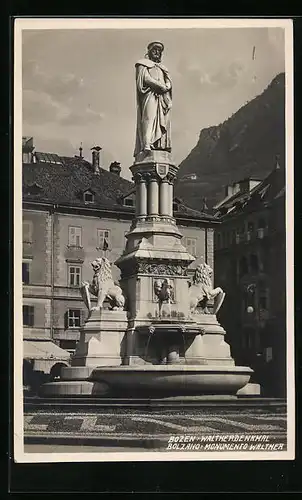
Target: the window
pixel 128 202
pixel 250 230
pixel 243 266
pixel 28 315
pixel 263 298
pixel 190 244
pixel 25 273
pixel 261 228
pixel 226 238
pixel 254 263
pixel 261 223
pixel 75 236
pixel 74 318
pixel 218 240
pixel 27 227
pixel 74 277
pixel 250 227
pixel 251 340
pixel 268 354
pixel 263 302
pixel 103 239
pixel 232 237
pixel 88 197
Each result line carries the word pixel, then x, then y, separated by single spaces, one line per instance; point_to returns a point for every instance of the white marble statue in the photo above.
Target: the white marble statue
pixel 154 102
pixel 102 287
pixel 201 290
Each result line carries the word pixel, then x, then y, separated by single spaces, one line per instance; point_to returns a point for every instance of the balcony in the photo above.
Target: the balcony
pixel 31 290
pixel 262 232
pixel 69 334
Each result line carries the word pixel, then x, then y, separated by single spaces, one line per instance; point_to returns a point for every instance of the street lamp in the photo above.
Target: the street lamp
pixel 251 290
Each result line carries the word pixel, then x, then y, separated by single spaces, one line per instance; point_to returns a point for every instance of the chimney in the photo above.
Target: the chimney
pixel 27 149
pixel 228 190
pixel 115 168
pixel 96 159
pixel 204 205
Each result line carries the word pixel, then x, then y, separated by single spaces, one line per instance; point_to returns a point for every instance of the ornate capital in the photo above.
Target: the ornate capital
pixel 153 177
pixel 138 178
pixel 171 177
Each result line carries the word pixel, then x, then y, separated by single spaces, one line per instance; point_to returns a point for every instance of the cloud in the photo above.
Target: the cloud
pixel 226 76
pixel 276 39
pixel 39 107
pixel 81 117
pixel 59 86
pixel 48 98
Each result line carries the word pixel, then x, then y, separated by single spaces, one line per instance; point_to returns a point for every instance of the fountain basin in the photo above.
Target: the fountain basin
pixel 150 381
pixel 165 380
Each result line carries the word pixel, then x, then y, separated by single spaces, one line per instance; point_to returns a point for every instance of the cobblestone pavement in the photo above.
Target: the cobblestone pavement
pixel 157 428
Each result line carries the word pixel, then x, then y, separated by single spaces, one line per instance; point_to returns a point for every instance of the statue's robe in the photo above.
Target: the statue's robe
pixel 154 102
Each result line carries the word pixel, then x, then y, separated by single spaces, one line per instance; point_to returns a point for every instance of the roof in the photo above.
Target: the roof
pixel 47 158
pixel 63 180
pixel 184 211
pixel 263 194
pixel 43 350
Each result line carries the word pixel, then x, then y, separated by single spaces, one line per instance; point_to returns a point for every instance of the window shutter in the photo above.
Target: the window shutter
pixel 66 320
pixel 27 231
pixel 32 316
pixel 82 317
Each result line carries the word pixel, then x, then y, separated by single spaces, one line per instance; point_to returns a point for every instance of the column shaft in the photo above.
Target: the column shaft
pixel 141 189
pixel 153 197
pixel 164 198
pixel 170 199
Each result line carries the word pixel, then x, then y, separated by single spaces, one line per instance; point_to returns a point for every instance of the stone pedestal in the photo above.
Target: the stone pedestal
pixel 101 344
pixel 101 339
pixel 209 347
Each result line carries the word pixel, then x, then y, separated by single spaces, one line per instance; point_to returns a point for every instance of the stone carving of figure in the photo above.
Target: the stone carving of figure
pixel 164 290
pixel 154 102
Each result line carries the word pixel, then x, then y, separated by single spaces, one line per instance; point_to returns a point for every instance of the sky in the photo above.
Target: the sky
pixel 79 85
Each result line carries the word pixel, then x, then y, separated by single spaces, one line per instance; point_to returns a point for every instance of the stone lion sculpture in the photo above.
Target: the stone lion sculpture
pixel 201 290
pixel 102 287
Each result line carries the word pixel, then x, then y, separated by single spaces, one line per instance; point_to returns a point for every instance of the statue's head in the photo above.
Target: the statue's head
pixel 203 274
pixel 97 264
pixel 157 285
pixel 102 267
pixel 155 50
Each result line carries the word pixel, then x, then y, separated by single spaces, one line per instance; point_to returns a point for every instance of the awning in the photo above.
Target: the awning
pixel 43 350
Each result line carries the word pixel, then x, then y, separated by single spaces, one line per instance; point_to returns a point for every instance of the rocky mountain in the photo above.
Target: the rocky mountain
pixel 244 145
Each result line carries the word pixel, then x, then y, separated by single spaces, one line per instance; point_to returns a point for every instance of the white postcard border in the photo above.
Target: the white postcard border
pixel 98 23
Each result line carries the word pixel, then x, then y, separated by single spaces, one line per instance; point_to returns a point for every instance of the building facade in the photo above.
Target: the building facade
pixel 250 264
pixel 73 212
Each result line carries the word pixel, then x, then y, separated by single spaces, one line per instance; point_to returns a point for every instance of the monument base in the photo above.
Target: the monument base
pixel 101 339
pixel 165 358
